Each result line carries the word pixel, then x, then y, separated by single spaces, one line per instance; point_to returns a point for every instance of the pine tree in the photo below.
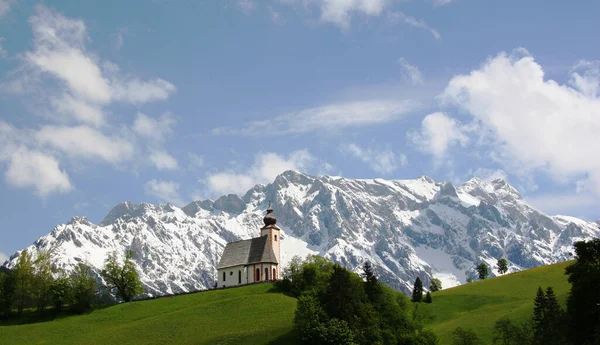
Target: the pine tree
pixel 547 319
pixel 372 287
pixel 122 279
pixel 23 274
pixel 482 270
pixel 502 266
pixel 428 298
pixel 417 295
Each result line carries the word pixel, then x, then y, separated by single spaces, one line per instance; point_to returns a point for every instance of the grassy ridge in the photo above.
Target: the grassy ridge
pixel 230 316
pixel 479 304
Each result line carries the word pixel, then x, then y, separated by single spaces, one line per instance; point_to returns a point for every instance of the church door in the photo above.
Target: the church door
pixel 274 275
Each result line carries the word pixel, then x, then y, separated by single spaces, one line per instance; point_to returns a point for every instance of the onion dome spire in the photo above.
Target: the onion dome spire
pixel 270 218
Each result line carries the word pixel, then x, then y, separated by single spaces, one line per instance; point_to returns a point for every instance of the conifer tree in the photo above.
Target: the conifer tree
pixel 7 290
pixel 417 295
pixel 371 284
pixel 428 298
pixel 502 266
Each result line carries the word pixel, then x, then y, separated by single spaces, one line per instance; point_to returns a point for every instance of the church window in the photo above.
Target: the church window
pixel 266 274
pixel 230 273
pixel 274 275
pixel 275 238
pixel 257 278
pixel 223 276
pixel 240 277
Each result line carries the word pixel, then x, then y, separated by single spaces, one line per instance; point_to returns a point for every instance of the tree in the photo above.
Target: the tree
pixel 62 293
pixel 372 287
pixel 84 287
pixel 428 298
pixel 506 333
pixel 123 279
pixel 465 336
pixel 547 318
pixel 583 302
pixel 7 290
pixel 436 285
pixel 482 270
pixel 502 266
pixel 23 274
pixel 417 295
pixel 42 280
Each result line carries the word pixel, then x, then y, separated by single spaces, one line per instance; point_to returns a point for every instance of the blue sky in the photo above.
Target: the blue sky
pixel 174 101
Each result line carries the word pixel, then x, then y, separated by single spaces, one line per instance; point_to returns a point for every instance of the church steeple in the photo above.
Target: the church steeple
pixel 273 232
pixel 270 218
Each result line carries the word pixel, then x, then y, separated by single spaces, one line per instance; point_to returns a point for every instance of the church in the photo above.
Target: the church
pixel 254 260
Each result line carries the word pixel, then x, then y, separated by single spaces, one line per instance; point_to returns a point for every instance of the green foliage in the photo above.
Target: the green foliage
pixel 122 279
pixel 469 280
pixel 583 304
pixel 23 274
pixel 417 295
pixel 436 285
pixel 223 316
pixel 7 290
pixel 428 298
pixel 372 286
pixel 482 270
pixel 84 287
pixel 502 266
pixel 548 319
pixel 42 280
pixel 465 336
pixel 62 293
pixel 507 333
pixel 311 275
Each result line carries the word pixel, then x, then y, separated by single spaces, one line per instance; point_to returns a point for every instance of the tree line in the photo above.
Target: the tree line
pixel 38 285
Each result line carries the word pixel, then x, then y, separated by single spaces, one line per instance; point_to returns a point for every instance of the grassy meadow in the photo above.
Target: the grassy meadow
pixel 230 316
pixel 479 304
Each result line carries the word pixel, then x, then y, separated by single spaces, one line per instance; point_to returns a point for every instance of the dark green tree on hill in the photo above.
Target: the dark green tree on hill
pixel 583 302
pixel 417 295
pixel 23 275
pixel 502 266
pixel 436 285
pixel 84 287
pixel 372 287
pixel 122 279
pixel 548 319
pixel 428 298
pixel 42 280
pixel 482 270
pixel 7 290
pixel 465 336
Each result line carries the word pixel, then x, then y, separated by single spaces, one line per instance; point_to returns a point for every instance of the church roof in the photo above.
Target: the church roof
pixel 254 250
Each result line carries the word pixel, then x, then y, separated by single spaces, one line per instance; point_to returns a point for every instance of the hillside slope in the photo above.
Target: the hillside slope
pixel 405 228
pixel 480 304
pixel 230 316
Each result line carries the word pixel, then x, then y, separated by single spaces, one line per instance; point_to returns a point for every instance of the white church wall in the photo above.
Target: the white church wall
pixel 232 276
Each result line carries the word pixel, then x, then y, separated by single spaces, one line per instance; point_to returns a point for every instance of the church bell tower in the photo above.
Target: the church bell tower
pixel 271 230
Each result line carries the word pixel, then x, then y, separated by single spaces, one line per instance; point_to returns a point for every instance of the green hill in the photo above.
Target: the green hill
pixel 248 315
pixel 479 304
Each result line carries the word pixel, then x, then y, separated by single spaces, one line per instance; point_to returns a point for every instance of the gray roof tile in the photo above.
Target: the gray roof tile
pixel 245 252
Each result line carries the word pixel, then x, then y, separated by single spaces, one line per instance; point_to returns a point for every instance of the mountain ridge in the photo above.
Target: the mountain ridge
pixel 404 227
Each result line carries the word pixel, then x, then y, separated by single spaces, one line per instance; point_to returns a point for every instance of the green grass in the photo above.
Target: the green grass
pixel 479 304
pixel 248 315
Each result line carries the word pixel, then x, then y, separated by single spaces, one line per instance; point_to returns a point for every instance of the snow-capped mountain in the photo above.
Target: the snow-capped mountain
pixel 406 228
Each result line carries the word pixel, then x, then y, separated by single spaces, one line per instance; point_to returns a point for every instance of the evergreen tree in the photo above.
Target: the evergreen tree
pixel 502 266
pixel 372 287
pixel 122 279
pixel 482 271
pixel 23 275
pixel 436 285
pixel 583 302
pixel 547 319
pixel 42 280
pixel 428 298
pixel 7 290
pixel 417 295
pixel 506 333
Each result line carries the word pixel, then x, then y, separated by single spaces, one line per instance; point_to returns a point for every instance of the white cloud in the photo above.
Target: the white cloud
pixel 568 203
pixel 247 6
pixel 5 6
pixel 195 161
pixel 80 110
pixel 85 142
pixel 264 170
pixel 331 117
pixel 534 124
pixel 488 175
pixel 275 15
pixel 401 17
pixel 34 169
pixel 437 3
pixel 411 71
pixel 119 40
pixel 3 257
pixel 163 161
pixel 156 129
pixel 589 81
pixel 165 191
pixel 438 133
pixel 381 161
pixel 3 52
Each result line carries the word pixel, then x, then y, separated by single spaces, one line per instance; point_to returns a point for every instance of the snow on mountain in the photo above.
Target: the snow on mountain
pixel 406 228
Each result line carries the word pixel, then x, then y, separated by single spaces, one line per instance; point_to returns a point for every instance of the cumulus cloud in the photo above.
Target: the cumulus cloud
pixel 163 160
pixel 247 6
pixel 155 129
pixel 381 161
pixel 410 71
pixel 438 133
pixel 3 257
pixel 5 6
pixel 565 203
pixel 412 21
pixel 86 142
pixel 165 191
pixel 534 124
pixel 329 117
pixel 265 168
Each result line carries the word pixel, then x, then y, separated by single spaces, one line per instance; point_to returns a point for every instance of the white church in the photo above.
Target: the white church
pixel 254 260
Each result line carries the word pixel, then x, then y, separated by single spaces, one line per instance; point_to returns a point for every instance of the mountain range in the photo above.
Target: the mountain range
pixel 405 228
